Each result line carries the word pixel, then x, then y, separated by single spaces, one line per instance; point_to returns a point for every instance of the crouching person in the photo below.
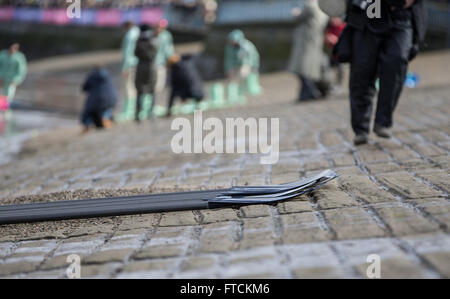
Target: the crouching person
pixel 186 82
pixel 101 100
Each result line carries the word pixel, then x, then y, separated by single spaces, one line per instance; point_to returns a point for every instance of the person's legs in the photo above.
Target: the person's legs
pixel 161 78
pixel 363 71
pixel 107 118
pixel 170 104
pixel 86 121
pixel 130 87
pixel 130 94
pixel 10 90
pixel 308 89
pixel 138 105
pixel 393 69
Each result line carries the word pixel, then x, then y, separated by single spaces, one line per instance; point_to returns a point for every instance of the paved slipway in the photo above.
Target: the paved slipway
pixel 391 198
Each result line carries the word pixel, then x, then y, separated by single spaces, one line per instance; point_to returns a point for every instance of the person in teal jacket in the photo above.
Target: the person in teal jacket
pixel 165 50
pixel 241 64
pixel 13 69
pixel 129 63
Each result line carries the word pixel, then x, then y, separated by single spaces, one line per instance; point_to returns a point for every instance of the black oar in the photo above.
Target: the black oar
pixel 154 203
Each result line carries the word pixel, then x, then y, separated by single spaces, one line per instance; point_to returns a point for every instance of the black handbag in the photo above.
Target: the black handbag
pixel 342 51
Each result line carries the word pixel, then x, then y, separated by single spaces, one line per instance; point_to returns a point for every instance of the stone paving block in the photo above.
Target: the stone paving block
pixel 407 137
pixel 318 273
pixel 438 208
pixel 255 211
pixel 302 228
pixel 255 258
pixel 292 166
pixel 98 271
pixel 340 160
pixel 146 175
pixel 403 154
pixel 282 178
pixel 371 154
pixel 405 185
pixel 160 251
pixel 197 180
pixel 352 223
pixel 178 218
pixel 331 139
pixel 433 248
pixel 350 171
pixel 107 256
pixel 442 161
pixel 441 179
pixel 149 265
pixel 27 256
pixel 52 274
pixel 107 183
pixel 252 239
pixel 307 142
pixel 297 235
pixel 316 165
pixel 6 248
pixel 170 234
pixel 7 269
pixel 132 233
pixel 250 180
pixel 195 263
pixel 428 150
pixel 294 207
pixel 440 261
pixel 216 242
pixel 257 223
pixel 332 199
pixel 138 221
pixel 415 165
pixel 434 136
pixel 222 215
pixel 405 221
pixel 54 186
pixel 383 167
pixel 362 187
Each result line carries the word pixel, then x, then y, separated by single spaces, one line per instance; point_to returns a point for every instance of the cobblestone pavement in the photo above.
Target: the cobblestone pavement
pixel 391 198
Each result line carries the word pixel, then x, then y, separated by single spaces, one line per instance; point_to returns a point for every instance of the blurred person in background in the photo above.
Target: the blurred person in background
pixel 335 28
pixel 381 48
pixel 186 82
pixel 307 50
pixel 129 63
pixel 101 99
pixel 146 72
pixel 241 66
pixel 13 70
pixel 164 52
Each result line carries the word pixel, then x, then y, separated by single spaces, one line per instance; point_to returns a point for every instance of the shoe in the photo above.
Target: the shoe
pixel 107 123
pixel 382 132
pixel 84 130
pixel 361 139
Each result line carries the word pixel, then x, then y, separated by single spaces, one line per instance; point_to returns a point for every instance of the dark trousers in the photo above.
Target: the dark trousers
pixel 309 89
pixel 383 56
pixel 139 99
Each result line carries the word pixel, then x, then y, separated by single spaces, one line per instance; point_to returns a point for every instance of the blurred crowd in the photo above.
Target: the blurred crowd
pixel 121 4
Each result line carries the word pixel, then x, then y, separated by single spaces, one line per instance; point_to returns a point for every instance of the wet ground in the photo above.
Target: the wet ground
pixel 391 198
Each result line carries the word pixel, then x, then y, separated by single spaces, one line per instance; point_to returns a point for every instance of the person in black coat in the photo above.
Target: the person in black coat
pixel 101 99
pixel 381 48
pixel 186 82
pixel 146 48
